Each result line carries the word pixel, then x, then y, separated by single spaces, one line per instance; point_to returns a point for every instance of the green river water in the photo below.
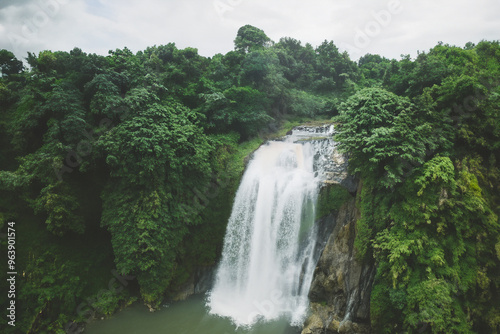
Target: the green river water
pixel 186 317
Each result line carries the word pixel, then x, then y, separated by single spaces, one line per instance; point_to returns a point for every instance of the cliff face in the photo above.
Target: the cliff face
pixel 340 291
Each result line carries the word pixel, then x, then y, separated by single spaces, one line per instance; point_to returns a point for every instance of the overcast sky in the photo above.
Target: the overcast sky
pixel 386 27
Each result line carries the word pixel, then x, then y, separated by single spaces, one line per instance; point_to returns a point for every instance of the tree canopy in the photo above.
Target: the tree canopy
pixel 250 38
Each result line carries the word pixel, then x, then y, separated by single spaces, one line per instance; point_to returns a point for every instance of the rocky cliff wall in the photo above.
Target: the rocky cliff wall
pixel 340 291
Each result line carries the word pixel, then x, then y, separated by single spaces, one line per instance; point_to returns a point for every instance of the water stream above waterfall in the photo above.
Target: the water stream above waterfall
pixel 269 254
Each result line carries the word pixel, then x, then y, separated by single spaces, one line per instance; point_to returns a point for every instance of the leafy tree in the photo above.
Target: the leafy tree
pixel 104 94
pixel 155 157
pixel 9 63
pixel 373 69
pixel 429 210
pixel 256 67
pixel 50 288
pixel 298 62
pixel 240 109
pixel 62 208
pixel 250 38
pixel 429 71
pixel 380 132
pixel 428 252
pixel 333 67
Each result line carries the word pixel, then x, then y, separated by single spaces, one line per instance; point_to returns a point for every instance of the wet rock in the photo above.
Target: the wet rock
pixel 341 287
pixel 319 319
pixel 184 292
pixel 350 183
pixel 199 282
pixel 204 278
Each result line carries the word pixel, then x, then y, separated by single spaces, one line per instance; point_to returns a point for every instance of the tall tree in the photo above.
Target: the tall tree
pixel 250 38
pixel 9 64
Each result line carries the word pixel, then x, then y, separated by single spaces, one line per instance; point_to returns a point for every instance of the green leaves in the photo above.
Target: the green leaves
pixel 155 158
pixel 48 288
pixel 429 247
pixel 240 109
pixel 383 138
pixel 161 141
pixel 431 302
pixel 103 92
pixel 158 129
pixel 9 64
pixel 437 172
pixel 429 212
pixel 62 209
pixel 250 38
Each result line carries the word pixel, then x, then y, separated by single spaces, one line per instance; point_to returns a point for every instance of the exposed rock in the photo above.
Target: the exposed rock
pixel 340 291
pixel 348 326
pixel 320 320
pixel 184 292
pixel 350 183
pixel 201 281
pixel 204 279
pixel 313 325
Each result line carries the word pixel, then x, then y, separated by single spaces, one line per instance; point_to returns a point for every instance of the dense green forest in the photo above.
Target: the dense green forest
pixel 119 171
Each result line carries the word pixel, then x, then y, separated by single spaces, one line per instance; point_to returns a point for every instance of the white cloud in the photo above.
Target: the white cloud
pixel 211 26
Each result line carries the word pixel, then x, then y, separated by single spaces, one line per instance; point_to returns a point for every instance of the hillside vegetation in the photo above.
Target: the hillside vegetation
pixel 120 170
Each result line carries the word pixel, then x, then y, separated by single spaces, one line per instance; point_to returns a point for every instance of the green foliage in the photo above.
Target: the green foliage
pixel 104 92
pixel 303 103
pixel 250 38
pixel 50 290
pixel 330 198
pixel 429 202
pixel 297 62
pixel 240 109
pixel 158 144
pixel 155 157
pixel 151 146
pixel 107 302
pixel 61 208
pixel 334 68
pixel 259 69
pixel 9 64
pixel 380 131
pixel 424 237
pixel 430 247
pixel 373 69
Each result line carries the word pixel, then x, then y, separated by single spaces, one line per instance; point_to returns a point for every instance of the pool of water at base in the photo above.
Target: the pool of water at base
pixel 187 317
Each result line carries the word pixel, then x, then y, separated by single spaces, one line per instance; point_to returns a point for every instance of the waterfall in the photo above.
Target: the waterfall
pixel 268 257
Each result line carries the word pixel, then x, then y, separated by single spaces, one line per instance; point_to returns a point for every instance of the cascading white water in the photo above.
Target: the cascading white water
pixel 268 257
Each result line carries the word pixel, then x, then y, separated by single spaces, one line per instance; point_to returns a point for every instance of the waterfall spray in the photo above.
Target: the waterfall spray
pixel 268 257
